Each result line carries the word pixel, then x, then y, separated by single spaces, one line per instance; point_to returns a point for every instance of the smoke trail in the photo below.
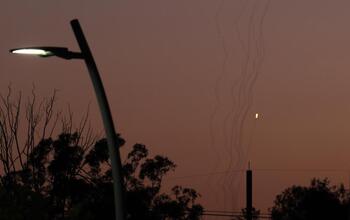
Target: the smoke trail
pixel 251 67
pixel 217 94
pixel 232 116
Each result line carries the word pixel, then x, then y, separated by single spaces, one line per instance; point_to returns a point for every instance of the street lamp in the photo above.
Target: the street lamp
pixel 113 147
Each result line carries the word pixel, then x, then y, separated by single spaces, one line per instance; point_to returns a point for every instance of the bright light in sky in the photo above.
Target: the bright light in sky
pixel 39 52
pixel 256 115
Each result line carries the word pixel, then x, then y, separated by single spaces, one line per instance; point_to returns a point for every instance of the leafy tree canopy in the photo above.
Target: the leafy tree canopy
pixel 63 180
pixel 318 201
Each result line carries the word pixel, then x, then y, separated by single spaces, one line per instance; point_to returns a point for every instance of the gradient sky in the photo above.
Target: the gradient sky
pixel 160 59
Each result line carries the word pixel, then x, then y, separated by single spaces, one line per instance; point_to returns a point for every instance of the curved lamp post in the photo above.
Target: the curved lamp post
pixel 113 147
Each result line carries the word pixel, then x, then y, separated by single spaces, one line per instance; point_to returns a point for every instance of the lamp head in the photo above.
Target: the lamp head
pixel 62 52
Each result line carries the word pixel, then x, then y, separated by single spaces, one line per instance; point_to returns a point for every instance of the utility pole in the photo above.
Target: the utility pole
pixel 249 193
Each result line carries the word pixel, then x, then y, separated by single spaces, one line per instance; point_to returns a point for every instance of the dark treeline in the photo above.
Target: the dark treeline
pixel 68 176
pixel 318 201
pixel 62 180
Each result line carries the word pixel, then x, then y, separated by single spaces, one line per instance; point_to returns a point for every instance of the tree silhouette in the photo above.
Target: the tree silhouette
pixel 318 201
pixel 62 180
pixel 70 177
pixel 25 121
pixel 255 214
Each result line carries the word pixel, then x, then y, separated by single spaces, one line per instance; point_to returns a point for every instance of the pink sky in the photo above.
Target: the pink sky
pixel 160 60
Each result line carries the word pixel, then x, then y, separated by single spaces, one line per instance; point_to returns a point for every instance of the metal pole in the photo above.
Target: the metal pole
pixel 107 120
pixel 249 208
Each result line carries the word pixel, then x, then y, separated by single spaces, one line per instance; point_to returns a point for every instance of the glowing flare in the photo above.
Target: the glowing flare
pixel 256 115
pixel 39 52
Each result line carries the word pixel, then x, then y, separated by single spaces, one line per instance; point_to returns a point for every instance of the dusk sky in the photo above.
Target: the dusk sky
pixel 171 70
